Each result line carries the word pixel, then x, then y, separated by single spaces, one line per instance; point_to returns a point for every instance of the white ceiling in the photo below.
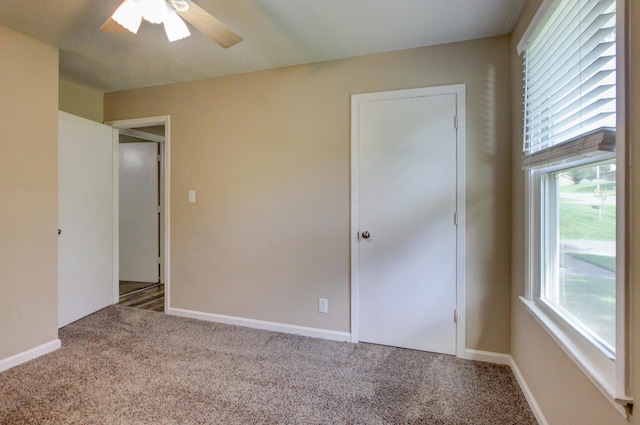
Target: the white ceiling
pixel 277 33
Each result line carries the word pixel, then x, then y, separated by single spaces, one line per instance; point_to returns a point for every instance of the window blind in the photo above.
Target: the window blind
pixel 570 73
pixel 589 145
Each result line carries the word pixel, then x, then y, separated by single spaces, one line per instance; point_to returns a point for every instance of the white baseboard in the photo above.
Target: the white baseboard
pixel 259 324
pixel 537 412
pixel 488 356
pixel 31 354
pixel 506 359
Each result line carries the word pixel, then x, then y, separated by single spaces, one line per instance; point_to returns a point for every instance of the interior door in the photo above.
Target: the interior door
pixel 85 216
pixel 407 233
pixel 139 214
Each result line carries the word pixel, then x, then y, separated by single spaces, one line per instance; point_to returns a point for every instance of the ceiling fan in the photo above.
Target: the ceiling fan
pixel 128 17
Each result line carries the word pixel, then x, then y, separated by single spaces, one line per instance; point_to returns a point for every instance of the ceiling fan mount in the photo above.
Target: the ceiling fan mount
pixel 128 17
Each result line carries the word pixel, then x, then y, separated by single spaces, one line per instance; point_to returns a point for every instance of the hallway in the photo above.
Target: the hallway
pixel 147 298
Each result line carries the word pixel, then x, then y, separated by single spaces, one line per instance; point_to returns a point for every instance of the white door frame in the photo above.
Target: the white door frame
pixel 123 126
pixel 460 91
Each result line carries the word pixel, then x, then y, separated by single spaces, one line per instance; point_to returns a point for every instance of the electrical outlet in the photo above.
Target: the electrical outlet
pixel 323 305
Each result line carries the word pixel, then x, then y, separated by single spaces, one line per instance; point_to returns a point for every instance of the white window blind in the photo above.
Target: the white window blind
pixel 570 73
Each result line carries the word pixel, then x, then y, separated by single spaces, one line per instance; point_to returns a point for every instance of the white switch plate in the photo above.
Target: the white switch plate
pixel 192 196
pixel 323 305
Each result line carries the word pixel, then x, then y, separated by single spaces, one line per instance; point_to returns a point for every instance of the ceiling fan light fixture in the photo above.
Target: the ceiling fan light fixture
pixel 129 15
pixel 179 5
pixel 128 18
pixel 154 11
pixel 175 27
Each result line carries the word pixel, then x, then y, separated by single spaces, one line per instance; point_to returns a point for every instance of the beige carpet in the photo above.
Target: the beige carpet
pixel 130 366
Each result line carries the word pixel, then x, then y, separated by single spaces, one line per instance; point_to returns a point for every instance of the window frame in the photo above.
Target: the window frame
pixel 597 362
pixel 610 374
pixel 550 254
pixel 545 261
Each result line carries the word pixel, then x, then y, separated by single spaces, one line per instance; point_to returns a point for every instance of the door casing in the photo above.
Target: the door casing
pixel 460 91
pixel 165 180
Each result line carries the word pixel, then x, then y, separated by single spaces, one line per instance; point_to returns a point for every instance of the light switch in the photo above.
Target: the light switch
pixel 192 196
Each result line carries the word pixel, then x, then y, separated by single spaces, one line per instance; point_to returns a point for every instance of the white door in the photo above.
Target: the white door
pixel 85 217
pixel 407 234
pixel 139 214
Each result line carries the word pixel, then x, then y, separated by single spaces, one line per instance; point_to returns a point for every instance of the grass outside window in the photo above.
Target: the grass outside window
pixel 585 279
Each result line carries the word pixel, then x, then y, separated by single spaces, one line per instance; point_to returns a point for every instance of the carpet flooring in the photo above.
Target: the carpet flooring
pixel 130 366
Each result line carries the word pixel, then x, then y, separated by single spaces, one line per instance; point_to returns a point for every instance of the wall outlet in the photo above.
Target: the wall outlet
pixel 323 305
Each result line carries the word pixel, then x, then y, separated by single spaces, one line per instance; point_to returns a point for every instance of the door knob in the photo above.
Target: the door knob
pixel 366 234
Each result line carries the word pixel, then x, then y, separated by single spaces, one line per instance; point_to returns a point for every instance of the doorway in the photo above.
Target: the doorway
pixel 408 218
pixel 141 168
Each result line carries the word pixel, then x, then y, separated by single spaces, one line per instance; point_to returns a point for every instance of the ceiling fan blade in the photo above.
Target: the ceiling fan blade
pixel 210 26
pixel 125 20
pixel 113 27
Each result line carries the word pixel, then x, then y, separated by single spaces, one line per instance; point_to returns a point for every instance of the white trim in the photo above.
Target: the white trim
pixel 355 213
pixel 115 177
pixel 603 372
pixel 33 353
pixel 460 91
pixel 139 122
pixel 533 404
pixel 144 135
pixel 488 357
pixel 507 359
pixel 571 347
pixel 532 217
pixel 623 206
pixel 461 229
pixel 263 325
pixel 165 229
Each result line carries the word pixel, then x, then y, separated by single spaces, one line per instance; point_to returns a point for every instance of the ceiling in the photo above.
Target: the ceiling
pixel 277 33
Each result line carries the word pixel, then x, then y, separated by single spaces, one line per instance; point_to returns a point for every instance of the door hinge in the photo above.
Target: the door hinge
pixel 159 209
pixel 455 122
pixel 159 157
pixel 455 218
pixel 455 316
pixel 159 260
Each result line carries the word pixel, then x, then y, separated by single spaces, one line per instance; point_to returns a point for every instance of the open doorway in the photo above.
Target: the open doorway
pixel 141 237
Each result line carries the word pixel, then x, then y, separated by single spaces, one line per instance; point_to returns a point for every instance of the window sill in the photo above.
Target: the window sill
pixel 603 379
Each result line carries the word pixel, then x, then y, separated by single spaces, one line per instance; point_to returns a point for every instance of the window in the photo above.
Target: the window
pixel 575 285
pixel 579 251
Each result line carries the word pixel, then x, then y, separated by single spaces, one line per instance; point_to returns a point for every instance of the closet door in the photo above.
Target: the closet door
pixel 139 212
pixel 406 260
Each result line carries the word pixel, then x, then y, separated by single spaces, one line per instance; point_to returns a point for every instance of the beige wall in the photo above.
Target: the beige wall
pixel 564 393
pixel 81 101
pixel 268 153
pixel 28 193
